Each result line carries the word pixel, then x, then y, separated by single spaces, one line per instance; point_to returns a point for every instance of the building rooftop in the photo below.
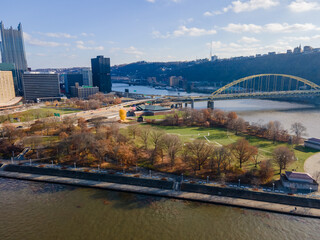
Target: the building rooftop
pixel 151 108
pixel 314 140
pixel 298 176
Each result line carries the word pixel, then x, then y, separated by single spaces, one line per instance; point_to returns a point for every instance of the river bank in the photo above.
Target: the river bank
pixel 297 206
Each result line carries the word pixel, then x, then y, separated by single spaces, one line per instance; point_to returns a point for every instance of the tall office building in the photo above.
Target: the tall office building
pixel 12 50
pixel 101 73
pixel 40 85
pixel 87 76
pixel 6 87
pixel 70 79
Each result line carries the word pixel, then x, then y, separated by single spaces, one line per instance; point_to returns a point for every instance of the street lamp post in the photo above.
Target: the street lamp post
pixel 273 187
pixel 30 161
pixel 75 165
pixel 207 179
pixel 310 189
pixel 181 177
pixel 150 173
pixel 51 163
pixel 239 182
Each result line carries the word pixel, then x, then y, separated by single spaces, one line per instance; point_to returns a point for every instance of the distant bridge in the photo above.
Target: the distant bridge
pixel 260 86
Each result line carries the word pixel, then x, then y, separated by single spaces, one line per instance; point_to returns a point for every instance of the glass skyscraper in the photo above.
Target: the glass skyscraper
pixel 101 73
pixel 12 50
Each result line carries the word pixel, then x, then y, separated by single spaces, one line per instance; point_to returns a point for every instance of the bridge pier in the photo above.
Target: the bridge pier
pixel 186 105
pixel 210 104
pixel 192 104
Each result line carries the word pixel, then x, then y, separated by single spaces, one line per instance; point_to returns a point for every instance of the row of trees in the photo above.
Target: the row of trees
pixel 230 120
pixel 95 101
pixel 75 141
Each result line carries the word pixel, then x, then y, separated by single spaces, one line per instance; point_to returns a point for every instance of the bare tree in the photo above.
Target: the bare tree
pixel 237 125
pixel 282 156
pixel 197 153
pixel 134 130
pixel 243 151
pixel 274 129
pixel 156 137
pixel 219 156
pixel 173 145
pixel 145 135
pixel 299 130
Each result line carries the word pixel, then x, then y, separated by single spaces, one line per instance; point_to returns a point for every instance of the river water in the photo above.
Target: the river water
pixel 252 110
pixel 33 210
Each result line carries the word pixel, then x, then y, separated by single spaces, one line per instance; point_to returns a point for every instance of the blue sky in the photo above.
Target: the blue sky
pixel 67 33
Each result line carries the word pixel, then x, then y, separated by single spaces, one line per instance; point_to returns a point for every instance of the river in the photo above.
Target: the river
pixel 33 210
pixel 252 110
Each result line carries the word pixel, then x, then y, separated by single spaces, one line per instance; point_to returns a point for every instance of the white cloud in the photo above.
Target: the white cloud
pixel 244 6
pixel 285 27
pixel 81 45
pixel 58 35
pixel 87 34
pixel 248 40
pixel 251 5
pixel 303 6
pixel 238 28
pixel 151 1
pixel 133 50
pixel 193 32
pixel 185 31
pixel 271 27
pixel 37 42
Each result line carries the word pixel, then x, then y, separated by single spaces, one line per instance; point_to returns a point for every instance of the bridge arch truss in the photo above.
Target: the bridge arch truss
pixel 268 83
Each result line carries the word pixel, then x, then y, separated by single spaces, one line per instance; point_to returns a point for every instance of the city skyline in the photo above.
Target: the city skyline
pixel 71 34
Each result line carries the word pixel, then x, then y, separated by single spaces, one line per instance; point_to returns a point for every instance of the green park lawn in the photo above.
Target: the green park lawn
pixel 221 136
pixel 33 114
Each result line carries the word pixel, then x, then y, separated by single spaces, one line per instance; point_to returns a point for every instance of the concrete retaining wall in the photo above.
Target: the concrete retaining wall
pixel 258 196
pixel 91 176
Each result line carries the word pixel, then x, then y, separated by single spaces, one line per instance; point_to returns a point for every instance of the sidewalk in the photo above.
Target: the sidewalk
pixel 245 203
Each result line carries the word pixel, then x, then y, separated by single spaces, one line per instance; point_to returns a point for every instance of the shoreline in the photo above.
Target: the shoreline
pixel 181 195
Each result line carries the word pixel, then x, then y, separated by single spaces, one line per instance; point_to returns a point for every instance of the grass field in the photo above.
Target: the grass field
pixel 33 114
pixel 221 136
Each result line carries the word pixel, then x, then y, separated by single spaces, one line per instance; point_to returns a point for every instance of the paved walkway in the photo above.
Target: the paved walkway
pixel 266 206
pixel 312 165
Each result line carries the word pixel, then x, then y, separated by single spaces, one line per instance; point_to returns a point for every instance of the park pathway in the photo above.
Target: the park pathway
pixel 312 165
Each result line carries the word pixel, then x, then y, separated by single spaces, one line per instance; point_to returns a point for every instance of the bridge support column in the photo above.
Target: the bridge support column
pixel 192 104
pixel 186 105
pixel 210 104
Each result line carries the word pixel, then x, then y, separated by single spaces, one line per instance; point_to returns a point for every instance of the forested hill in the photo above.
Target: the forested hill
pixel 301 65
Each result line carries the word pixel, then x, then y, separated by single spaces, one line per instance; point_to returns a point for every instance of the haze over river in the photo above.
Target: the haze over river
pixel 33 210
pixel 252 110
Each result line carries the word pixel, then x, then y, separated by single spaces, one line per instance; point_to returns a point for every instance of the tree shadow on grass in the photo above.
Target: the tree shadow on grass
pixel 305 149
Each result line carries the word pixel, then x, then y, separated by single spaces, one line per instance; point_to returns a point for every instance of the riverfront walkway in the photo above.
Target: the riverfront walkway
pixel 245 203
pixel 312 165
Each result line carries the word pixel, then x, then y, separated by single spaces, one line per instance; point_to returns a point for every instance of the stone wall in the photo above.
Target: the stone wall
pixel 258 196
pixel 91 176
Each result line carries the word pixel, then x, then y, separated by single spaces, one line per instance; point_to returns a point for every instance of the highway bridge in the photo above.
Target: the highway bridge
pixel 262 86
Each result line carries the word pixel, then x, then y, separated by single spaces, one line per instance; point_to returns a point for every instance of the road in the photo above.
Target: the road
pixel 111 112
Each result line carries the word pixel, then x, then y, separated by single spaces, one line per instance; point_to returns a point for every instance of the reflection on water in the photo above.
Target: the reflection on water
pixel 254 110
pixel 82 213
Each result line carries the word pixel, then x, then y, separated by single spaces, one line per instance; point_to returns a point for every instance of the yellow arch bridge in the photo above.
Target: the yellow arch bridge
pixel 261 86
